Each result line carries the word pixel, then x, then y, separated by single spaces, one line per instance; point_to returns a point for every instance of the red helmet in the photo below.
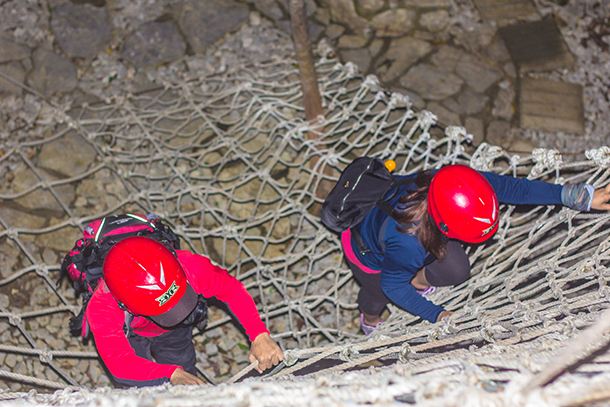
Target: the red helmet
pixel 148 279
pixel 463 204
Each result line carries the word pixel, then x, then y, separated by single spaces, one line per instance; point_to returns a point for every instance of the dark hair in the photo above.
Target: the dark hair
pixel 416 210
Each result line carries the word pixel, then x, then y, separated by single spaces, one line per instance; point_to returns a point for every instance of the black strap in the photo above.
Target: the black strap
pixel 384 203
pixel 128 321
pixel 362 247
pixel 386 207
pixel 403 181
pixel 381 235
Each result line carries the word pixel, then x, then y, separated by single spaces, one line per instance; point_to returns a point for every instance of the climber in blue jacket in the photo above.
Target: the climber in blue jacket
pixel 405 256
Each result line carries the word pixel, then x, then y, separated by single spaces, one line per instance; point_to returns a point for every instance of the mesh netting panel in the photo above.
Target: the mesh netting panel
pixel 231 164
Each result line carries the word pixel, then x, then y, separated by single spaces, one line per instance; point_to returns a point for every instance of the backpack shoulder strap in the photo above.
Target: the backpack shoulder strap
pixel 128 321
pixel 384 204
pixel 381 235
pixel 386 207
pixel 403 181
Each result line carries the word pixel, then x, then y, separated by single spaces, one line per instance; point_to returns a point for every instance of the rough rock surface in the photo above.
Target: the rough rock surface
pixel 81 30
pixel 52 73
pixel 154 43
pixel 205 22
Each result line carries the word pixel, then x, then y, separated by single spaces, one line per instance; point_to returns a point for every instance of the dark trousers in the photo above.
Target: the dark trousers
pixel 454 269
pixel 172 348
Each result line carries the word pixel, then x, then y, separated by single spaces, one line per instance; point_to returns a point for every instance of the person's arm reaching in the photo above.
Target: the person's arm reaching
pixel 214 281
pixel 404 256
pixel 581 197
pixel 397 287
pixel 524 191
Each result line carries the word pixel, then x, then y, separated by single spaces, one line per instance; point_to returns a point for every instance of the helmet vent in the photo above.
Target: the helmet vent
pixel 443 226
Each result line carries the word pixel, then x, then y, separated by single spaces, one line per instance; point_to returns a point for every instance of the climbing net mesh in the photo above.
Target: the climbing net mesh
pixel 230 162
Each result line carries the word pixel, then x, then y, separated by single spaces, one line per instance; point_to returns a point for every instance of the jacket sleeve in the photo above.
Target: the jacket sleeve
pixel 213 281
pixel 404 256
pixel 521 191
pixel 106 321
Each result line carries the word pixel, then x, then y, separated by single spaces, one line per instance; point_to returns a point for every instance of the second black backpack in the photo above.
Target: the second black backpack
pixel 363 185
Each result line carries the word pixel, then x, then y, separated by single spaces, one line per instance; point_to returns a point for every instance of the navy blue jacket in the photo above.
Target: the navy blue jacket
pixel 404 255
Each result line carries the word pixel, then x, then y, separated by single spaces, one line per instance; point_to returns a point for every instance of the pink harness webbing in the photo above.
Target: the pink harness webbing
pixel 346 242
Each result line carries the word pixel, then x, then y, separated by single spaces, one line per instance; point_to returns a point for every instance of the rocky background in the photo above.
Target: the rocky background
pixel 440 53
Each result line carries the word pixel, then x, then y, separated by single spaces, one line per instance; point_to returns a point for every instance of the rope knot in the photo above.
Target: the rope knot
pixel 324 49
pixel 600 156
pixel 484 156
pixel 371 81
pixel 406 352
pixel 45 356
pixel 350 69
pixel 428 119
pixel 457 133
pixel 14 319
pixel 544 159
pixel 12 233
pixel 487 334
pixel 348 353
pixel 398 99
pixel 290 357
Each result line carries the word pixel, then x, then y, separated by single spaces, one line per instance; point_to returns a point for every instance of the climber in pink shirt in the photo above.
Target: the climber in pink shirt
pixel 161 296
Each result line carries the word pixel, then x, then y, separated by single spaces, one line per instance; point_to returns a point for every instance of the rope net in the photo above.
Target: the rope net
pixel 231 164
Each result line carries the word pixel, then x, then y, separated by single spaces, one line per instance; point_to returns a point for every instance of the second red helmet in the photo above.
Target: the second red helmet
pixel 149 280
pixel 463 204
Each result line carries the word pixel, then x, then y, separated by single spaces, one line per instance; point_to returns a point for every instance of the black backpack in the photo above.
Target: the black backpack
pixel 84 263
pixel 363 184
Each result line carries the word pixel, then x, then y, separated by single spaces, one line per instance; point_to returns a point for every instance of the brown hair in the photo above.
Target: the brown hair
pixel 415 206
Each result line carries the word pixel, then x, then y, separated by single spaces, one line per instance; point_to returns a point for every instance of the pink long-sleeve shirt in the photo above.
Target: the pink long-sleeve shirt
pixel 106 319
